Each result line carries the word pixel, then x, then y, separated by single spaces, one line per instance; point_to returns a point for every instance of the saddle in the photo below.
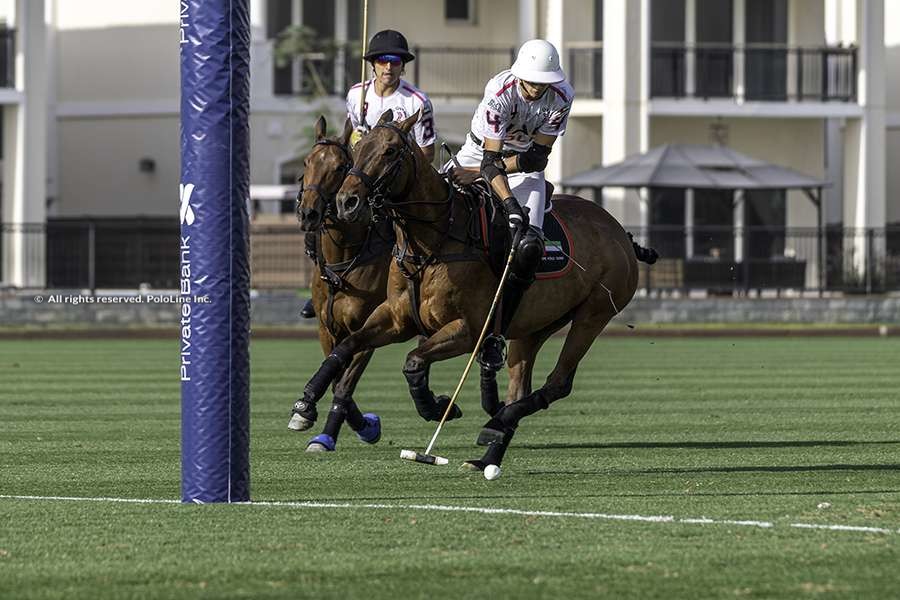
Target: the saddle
pixel 493 233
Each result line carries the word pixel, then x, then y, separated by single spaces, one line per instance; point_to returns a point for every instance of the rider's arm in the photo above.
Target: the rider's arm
pixel 493 171
pixel 541 140
pixel 498 182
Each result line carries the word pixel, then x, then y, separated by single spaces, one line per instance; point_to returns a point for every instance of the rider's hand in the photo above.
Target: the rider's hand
pixel 518 222
pixel 462 176
pixel 356 135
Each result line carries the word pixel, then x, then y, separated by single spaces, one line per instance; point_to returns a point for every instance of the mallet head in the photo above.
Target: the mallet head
pixel 427 459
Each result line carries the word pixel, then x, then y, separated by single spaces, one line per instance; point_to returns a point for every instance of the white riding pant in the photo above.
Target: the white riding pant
pixel 528 188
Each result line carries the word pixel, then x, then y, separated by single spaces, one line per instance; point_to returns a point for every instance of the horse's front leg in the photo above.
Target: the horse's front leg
pixel 451 340
pixel 343 408
pixel 385 326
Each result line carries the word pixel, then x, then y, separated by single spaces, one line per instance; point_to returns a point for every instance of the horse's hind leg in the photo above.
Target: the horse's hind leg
pixel 451 340
pixel 343 408
pixel 498 432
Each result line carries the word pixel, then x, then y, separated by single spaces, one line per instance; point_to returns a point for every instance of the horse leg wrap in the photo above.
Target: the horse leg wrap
pixel 495 451
pixel 507 419
pixel 490 399
pixel 416 373
pixel 336 417
pixel 352 414
pixel 331 367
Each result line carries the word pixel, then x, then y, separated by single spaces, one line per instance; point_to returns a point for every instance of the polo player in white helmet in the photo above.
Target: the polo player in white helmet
pixel 524 110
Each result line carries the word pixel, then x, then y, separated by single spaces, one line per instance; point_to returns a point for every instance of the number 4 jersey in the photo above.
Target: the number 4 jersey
pixel 505 115
pixel 405 102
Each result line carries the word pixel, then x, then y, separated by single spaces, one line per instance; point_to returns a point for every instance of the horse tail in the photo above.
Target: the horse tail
pixel 646 255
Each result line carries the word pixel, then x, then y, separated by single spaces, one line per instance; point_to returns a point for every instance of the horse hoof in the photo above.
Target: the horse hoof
pixel 488 436
pixel 473 466
pixel 442 402
pixel 321 443
pixel 371 433
pixel 303 417
pixel 298 423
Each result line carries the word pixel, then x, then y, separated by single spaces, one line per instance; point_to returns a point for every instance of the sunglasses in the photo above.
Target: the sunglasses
pixel 389 59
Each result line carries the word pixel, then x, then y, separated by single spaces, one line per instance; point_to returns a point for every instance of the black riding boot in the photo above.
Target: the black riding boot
pixel 525 264
pixel 308 311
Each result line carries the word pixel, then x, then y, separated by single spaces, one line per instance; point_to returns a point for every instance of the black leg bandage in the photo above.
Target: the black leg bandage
pixel 490 399
pixel 331 367
pixel 496 450
pixel 417 377
pixel 336 417
pixel 509 416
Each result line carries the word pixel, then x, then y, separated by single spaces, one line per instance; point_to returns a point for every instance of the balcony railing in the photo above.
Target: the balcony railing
pixel 585 68
pixel 7 57
pixel 754 72
pixel 127 253
pixel 439 71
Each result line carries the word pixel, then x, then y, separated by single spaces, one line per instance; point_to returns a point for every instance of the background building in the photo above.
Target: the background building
pixel 91 108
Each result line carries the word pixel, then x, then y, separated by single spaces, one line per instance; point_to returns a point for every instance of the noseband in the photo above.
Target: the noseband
pixel 379 189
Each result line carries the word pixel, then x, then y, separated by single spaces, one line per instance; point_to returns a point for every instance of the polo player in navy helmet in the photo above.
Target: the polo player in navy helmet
pixel 388 53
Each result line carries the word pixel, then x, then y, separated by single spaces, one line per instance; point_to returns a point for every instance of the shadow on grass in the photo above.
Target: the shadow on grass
pixel 708 445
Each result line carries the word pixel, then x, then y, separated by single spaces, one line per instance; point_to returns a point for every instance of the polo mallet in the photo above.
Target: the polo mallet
pixel 426 457
pixel 362 75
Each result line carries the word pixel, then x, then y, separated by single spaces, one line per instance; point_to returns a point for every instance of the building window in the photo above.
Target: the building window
pixel 667 66
pixel 459 11
pixel 714 61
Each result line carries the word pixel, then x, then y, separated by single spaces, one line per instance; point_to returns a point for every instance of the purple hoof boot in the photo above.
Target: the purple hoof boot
pixel 371 433
pixel 321 443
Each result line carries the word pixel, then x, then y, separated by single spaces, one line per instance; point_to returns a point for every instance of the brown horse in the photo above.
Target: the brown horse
pixel 352 260
pixel 391 175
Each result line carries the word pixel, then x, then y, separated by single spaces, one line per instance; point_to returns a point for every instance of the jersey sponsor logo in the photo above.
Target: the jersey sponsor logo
pixel 495 104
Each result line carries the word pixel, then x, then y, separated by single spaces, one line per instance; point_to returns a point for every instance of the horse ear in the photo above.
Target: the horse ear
pixel 320 128
pixel 348 131
pixel 406 124
pixel 386 117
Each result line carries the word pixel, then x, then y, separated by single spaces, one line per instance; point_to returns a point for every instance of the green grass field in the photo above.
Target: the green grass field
pixel 782 431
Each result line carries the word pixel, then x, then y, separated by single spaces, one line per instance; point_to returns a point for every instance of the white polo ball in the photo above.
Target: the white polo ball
pixel 491 472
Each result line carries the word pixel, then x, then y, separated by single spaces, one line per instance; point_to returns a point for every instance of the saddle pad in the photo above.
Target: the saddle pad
pixel 558 247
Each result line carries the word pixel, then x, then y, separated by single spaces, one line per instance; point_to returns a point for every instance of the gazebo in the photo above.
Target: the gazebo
pixel 691 166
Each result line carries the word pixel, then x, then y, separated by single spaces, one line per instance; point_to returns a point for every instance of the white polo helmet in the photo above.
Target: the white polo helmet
pixel 538 62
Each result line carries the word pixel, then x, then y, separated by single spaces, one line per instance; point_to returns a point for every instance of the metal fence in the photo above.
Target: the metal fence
pixel 763 72
pixel 128 253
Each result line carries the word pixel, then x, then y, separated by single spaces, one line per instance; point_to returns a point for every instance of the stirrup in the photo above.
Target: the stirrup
pixel 308 311
pixel 492 354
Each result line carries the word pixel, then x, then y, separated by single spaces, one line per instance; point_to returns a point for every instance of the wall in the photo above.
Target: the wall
pixel 280 310
pixel 422 22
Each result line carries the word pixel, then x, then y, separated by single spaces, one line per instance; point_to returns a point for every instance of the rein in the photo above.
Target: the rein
pixel 381 198
pixel 335 274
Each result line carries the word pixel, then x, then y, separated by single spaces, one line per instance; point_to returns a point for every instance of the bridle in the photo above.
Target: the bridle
pixel 379 189
pixel 325 199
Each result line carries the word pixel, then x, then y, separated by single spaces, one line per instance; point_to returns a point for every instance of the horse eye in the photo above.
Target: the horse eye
pixel 390 151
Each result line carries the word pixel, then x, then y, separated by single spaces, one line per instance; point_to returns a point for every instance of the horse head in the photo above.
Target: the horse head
pixel 384 169
pixel 324 170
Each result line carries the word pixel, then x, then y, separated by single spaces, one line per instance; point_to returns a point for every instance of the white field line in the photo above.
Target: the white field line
pixel 487 511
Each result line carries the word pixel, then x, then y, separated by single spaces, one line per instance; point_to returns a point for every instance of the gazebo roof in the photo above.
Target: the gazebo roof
pixel 694 166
